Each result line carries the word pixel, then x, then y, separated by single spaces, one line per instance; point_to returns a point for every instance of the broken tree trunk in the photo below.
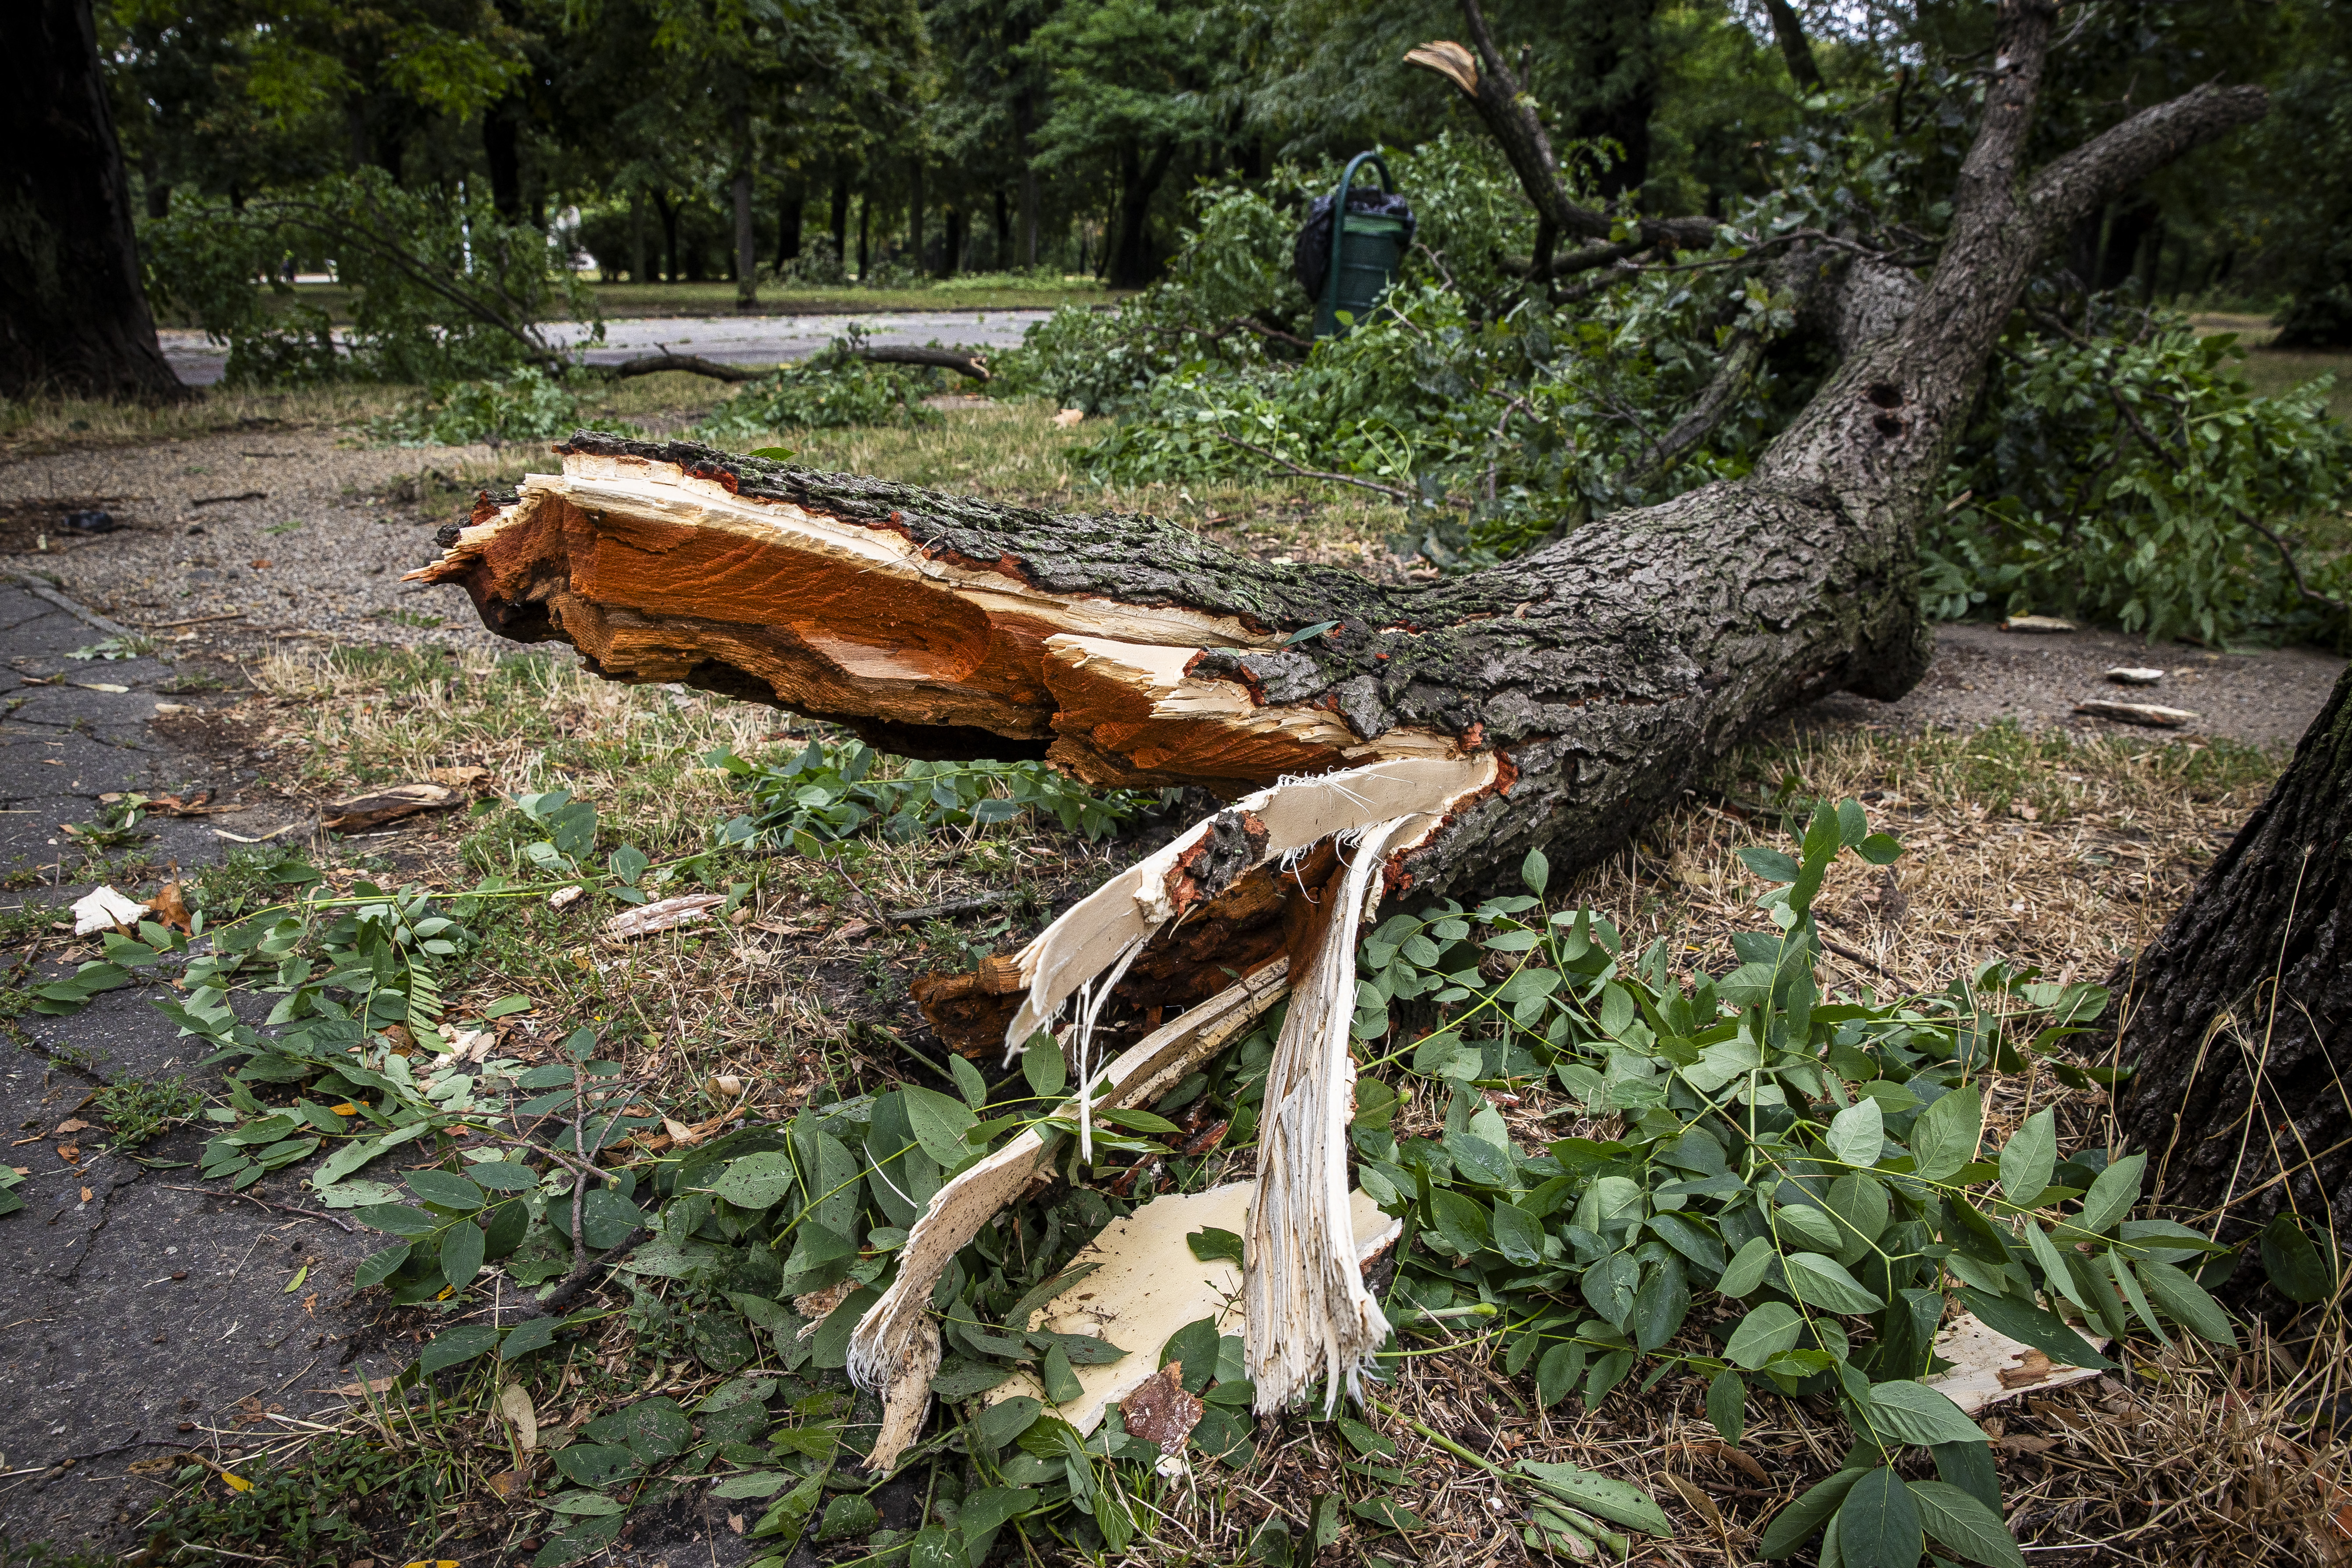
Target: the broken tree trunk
pixel 1388 741
pixel 2235 1019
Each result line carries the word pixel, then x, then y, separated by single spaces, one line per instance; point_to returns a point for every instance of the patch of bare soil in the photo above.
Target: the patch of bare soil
pixel 1982 674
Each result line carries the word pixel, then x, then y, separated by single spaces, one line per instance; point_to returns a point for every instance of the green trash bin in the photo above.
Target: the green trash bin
pixel 1366 250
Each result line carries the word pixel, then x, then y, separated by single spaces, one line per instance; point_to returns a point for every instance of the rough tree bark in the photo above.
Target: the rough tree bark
pixel 1439 732
pixel 2236 1016
pixel 73 314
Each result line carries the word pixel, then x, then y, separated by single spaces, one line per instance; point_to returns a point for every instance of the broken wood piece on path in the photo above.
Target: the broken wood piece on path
pixel 2045 624
pixel 665 914
pixel 103 909
pixel 2132 675
pixel 388 804
pixel 2146 713
pixel 1145 1284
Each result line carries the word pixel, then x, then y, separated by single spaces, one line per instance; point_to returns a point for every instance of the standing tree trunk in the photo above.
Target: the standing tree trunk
pixel 73 314
pixel 502 150
pixel 840 214
pixel 2238 1017
pixel 951 250
pixel 1131 265
pixel 1789 32
pixel 1436 733
pixel 1024 122
pixel 788 221
pixel 915 214
pixel 746 240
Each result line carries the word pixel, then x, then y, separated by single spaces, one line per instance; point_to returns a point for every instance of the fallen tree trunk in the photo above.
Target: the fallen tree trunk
pixel 957 359
pixel 1559 700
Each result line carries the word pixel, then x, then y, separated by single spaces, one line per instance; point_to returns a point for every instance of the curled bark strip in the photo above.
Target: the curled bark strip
pixel 895 1346
pixel 1310 1314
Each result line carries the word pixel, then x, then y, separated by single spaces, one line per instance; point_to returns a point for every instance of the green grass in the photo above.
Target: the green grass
pixel 2272 371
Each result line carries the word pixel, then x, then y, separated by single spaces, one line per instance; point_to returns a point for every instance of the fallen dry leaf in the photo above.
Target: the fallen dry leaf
pixel 818 1305
pixel 475 779
pixel 1159 1411
pixel 508 1484
pixel 68 1153
pixel 171 909
pixel 75 1125
pixel 86 1195
pixel 1699 1502
pixel 514 1404
pixel 1069 416
pixel 373 1385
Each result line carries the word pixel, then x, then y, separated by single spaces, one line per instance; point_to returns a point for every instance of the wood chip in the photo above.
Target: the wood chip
pixel 646 918
pixel 1988 1366
pixel 2146 713
pixel 387 805
pixel 2128 675
pixel 2044 623
pixel 1159 1411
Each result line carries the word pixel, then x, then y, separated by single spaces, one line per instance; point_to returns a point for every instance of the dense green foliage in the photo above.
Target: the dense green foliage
pixel 827 391
pixel 442 287
pixel 2134 478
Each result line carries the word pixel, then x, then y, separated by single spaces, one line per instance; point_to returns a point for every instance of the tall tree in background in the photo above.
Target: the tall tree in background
pixel 73 315
pixel 1136 84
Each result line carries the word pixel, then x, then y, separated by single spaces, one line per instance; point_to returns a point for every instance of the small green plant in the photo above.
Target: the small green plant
pixel 131 645
pixel 830 390
pixel 833 792
pixel 140 1109
pixel 311 1509
pixel 525 405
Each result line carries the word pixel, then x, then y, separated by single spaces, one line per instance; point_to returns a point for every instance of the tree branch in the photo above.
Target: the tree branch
pixel 1794 49
pixel 970 364
pixel 2074 185
pixel 1497 96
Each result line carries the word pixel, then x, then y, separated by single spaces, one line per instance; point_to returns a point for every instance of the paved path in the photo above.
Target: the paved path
pixel 733 339
pixel 135 1316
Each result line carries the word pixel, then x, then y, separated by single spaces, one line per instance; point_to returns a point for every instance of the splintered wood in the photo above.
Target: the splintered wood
pixel 658 575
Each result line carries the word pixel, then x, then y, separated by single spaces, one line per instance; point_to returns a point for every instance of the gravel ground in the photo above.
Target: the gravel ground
pixel 322 551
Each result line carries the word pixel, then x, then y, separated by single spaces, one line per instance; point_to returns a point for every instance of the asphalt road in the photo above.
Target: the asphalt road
pixel 731 340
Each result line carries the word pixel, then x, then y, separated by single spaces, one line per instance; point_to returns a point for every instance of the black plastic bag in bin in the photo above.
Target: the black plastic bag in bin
pixel 1311 258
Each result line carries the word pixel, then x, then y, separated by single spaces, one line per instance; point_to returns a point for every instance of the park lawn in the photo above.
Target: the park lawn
pixel 2272 371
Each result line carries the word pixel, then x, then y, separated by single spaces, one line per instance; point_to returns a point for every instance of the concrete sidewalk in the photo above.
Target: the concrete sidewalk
pixel 139 1316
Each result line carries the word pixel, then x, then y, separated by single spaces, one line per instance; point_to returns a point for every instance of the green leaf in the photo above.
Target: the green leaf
pixel 1535 871
pixel 1061 1385
pixel 1857 1135
pixel 1878 1524
pixel 1965 1524
pixel 461 1253
pixel 1557 1372
pixel 969 1083
pixel 1727 1405
pixel 2029 1157
pixel 1460 1220
pixel 1763 1333
pixel 653 1429
pixel 773 454
pixel 1746 1270
pixel 378 1266
pixel 2295 1269
pixel 1209 1243
pixel 1518 1235
pixel 448 1192
pixel 1824 1282
pixel 2028 1325
pixel 2112 1195
pixel 1772 864
pixel 530 1334
pixel 2187 1301
pixel 453 1347
pixel 940 1124
pixel 1387 1514
pixel 1044 1066
pixel 504 1177
pixel 1945 1137
pixel 1611 1500
pixel 757 1181
pixel 2058 1281
pixel 1912 1412
pixel 1794 1525
pixel 1879 849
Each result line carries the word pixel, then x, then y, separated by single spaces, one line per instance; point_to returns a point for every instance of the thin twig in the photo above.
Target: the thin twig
pixel 1392 491
pixel 331 1218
